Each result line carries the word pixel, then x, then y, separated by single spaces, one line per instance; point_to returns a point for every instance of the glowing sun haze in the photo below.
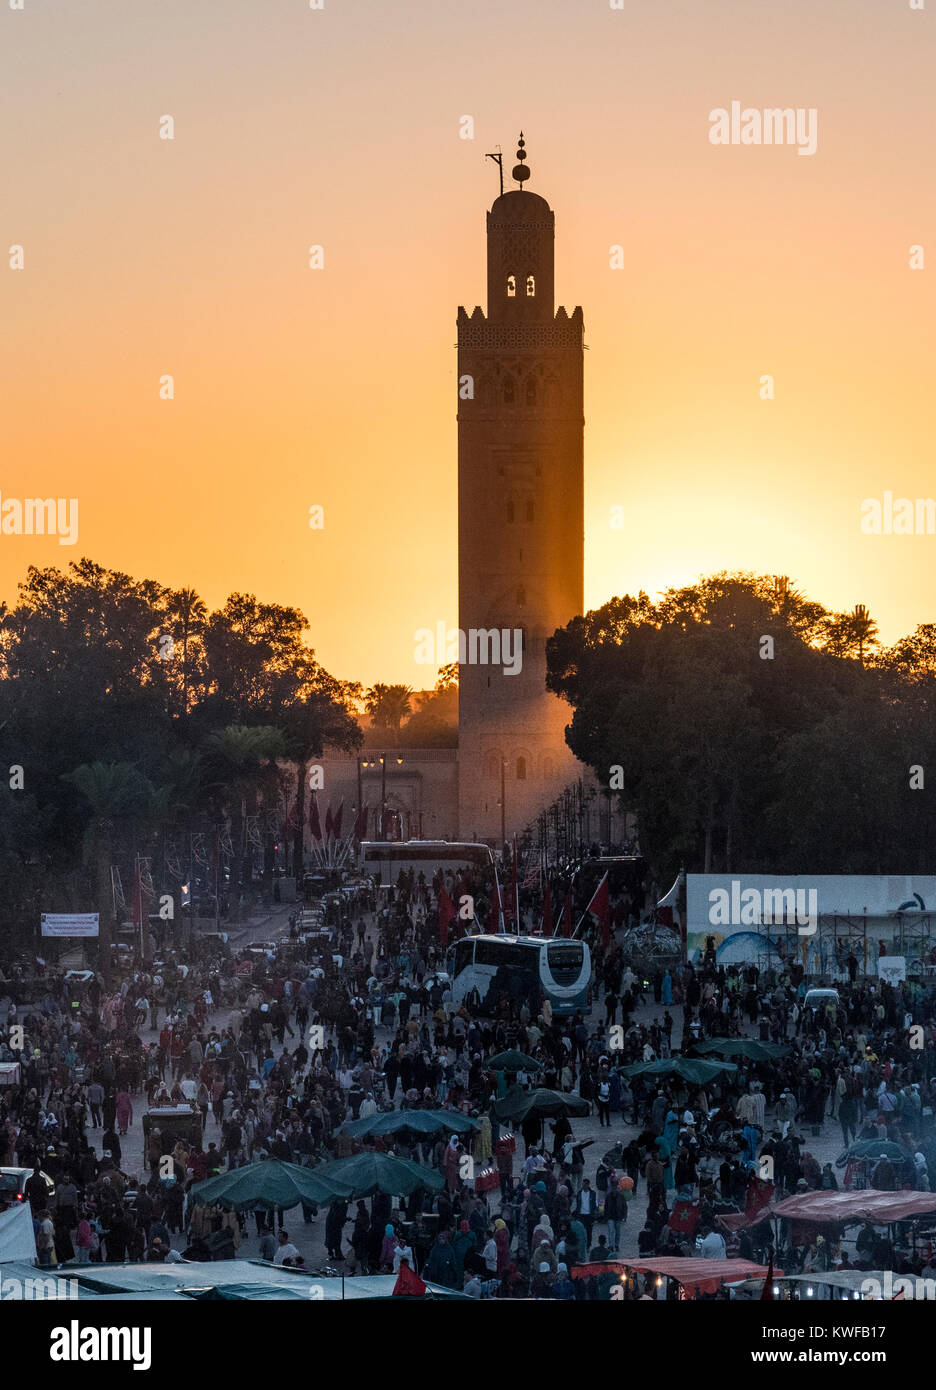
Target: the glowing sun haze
pixel 336 387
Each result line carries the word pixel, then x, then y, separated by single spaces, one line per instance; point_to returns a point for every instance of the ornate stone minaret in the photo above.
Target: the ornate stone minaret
pixel 520 514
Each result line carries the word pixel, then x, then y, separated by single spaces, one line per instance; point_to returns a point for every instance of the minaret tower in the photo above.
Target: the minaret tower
pixel 520 515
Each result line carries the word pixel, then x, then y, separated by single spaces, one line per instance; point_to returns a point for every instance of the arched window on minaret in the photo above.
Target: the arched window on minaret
pixel 510 391
pixel 530 391
pixel 529 509
pixel 521 768
pixel 492 765
pixel 530 286
pixel 511 286
pixel 511 510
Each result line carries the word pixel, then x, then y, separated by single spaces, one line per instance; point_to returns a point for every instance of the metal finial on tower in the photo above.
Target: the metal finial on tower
pixel 521 173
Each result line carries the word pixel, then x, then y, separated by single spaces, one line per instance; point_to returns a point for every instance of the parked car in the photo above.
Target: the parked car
pixel 13 1184
pixel 819 998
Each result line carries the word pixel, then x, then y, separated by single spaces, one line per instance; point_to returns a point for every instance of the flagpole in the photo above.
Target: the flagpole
pixel 592 899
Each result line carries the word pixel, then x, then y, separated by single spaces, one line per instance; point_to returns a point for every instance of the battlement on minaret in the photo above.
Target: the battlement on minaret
pixel 476 332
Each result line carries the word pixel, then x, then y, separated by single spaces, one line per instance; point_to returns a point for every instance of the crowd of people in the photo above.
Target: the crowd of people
pixel 272 1052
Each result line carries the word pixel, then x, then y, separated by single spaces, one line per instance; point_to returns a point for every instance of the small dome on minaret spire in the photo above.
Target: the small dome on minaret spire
pixel 521 173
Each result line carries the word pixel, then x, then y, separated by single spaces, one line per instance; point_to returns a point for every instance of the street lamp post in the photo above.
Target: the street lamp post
pixel 503 804
pixel 383 791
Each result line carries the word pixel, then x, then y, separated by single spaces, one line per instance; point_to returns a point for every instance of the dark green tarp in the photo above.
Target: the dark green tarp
pixel 691 1069
pixel 271 1185
pixel 362 1175
pixel 542 1104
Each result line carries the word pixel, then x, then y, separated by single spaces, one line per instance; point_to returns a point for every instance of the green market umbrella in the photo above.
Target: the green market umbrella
pixel 692 1069
pixel 512 1061
pixel 270 1184
pixel 364 1174
pixel 752 1048
pixel 541 1104
pixel 871 1148
pixel 419 1122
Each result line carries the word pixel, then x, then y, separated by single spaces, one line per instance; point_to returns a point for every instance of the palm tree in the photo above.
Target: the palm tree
pixel 187 618
pixel 115 793
pixel 388 705
pixel 849 634
pixel 865 630
pixel 239 762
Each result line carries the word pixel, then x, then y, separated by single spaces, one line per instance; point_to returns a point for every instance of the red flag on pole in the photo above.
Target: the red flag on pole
pixel 408 1284
pixel 360 825
pixel 547 912
pixel 336 826
pixel 567 914
pixel 329 824
pixel 315 825
pixel 446 913
pixel 600 905
pixel 766 1293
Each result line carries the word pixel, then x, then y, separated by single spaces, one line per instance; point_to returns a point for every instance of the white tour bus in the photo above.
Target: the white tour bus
pixel 562 967
pixel 386 858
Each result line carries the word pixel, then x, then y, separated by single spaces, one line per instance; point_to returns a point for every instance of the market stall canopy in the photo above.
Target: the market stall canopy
pixel 362 1175
pixel 368 1288
pixel 17 1237
pixel 752 1048
pixel 851 1279
pixel 271 1185
pixel 512 1060
pixel 694 1275
pixel 695 1070
pixel 872 1149
pixel 541 1104
pixel 222 1279
pixel 411 1122
pixel 839 1208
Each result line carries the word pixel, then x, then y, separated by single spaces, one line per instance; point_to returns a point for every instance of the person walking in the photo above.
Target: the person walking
pixel 124 1109
pixel 615 1210
pixel 603 1098
pixel 586 1207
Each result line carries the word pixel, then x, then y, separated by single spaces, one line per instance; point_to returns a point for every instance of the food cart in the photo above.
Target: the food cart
pixel 174 1122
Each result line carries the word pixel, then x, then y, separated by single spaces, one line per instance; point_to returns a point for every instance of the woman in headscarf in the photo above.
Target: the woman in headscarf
pixel 542 1250
pixel 450 1163
pixel 543 1228
pixel 387 1248
pixel 502 1241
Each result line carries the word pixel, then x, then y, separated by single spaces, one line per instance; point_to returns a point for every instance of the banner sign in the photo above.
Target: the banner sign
pixel 893 969
pixel 767 918
pixel 69 923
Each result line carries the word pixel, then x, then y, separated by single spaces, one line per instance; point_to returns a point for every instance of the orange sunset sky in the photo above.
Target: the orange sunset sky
pixel 336 387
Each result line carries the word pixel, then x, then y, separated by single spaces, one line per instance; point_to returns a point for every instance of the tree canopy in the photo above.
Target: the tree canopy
pixel 750 730
pixel 136 714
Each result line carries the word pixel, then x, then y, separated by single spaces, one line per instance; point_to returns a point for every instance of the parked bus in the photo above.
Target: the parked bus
pixel 385 859
pixel 549 967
